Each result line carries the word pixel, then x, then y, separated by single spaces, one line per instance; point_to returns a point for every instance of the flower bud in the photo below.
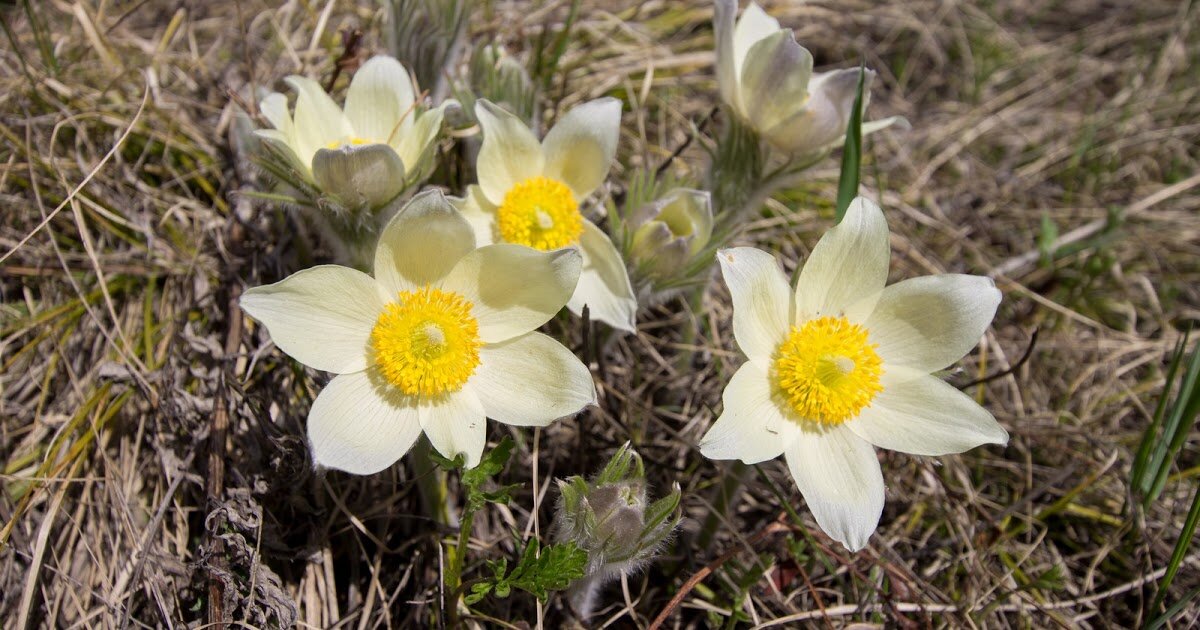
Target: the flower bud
pixel 669 231
pixel 612 520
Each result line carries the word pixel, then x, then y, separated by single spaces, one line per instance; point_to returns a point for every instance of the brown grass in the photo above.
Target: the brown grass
pixel 155 470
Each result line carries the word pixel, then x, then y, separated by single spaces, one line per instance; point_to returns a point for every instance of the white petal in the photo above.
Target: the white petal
pixel 322 316
pixel 455 423
pixel 839 476
pixel 848 267
pixel 318 121
pixel 775 79
pixel 823 120
pixel 510 153
pixel 580 148
pixel 753 26
pixel 479 212
pixel 514 289
pixel 418 144
pixel 920 414
pixel 927 323
pixel 761 299
pixel 727 70
pixel 604 283
pixel 751 427
pixel 422 243
pixel 380 101
pixel 360 424
pixel 531 381
pixel 275 108
pixel 368 175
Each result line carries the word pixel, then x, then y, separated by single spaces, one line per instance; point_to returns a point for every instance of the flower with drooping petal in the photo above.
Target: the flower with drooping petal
pixel 364 154
pixel 439 339
pixel 766 78
pixel 529 193
pixel 844 364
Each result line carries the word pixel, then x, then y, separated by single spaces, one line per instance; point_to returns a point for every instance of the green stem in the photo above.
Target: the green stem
pixel 431 484
pixel 453 586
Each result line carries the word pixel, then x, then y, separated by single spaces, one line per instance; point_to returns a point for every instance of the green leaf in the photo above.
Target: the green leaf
pixel 851 152
pixel 541 570
pixel 1181 549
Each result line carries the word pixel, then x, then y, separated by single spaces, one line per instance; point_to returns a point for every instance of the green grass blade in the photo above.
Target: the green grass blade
pixel 1176 428
pixel 1180 552
pixel 1138 477
pixel 851 152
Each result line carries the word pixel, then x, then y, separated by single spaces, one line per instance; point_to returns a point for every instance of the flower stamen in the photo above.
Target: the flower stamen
pixel 827 370
pixel 427 342
pixel 541 213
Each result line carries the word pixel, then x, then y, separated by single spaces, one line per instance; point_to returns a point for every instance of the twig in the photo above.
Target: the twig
pixel 1013 368
pixel 698 577
pixel 704 122
pixel 350 43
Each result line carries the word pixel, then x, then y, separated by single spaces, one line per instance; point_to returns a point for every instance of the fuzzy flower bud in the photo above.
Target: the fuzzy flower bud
pixel 612 520
pixel 670 231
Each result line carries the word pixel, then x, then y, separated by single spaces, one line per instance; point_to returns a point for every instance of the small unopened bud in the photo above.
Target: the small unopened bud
pixel 612 520
pixel 670 231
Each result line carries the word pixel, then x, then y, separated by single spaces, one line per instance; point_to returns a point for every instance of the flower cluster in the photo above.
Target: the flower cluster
pixel 441 334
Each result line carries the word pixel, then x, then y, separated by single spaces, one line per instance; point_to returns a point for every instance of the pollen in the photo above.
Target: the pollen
pixel 827 370
pixel 541 213
pixel 351 141
pixel 427 342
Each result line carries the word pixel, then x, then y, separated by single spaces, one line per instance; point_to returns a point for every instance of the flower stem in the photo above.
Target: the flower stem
pixel 453 574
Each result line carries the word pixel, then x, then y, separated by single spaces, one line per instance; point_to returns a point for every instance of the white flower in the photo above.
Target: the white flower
pixel 368 152
pixel 670 230
pixel 529 194
pixel 438 340
pixel 767 79
pixel 844 364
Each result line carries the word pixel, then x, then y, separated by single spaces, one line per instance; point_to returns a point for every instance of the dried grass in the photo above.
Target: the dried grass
pixel 154 467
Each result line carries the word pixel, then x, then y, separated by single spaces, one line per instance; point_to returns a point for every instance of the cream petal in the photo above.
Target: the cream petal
pixel 278 143
pixel 418 144
pixel 510 153
pixel 479 212
pixel 361 425
pixel 751 427
pixel 775 79
pixel 604 283
pixel 753 26
pixel 727 69
pixel 848 267
pixel 380 104
pixel 920 414
pixel 823 120
pixel 368 175
pixel 322 316
pixel 455 423
pixel 318 120
pixel 839 476
pixel 580 148
pixel 514 289
pixel 422 243
pixel 531 381
pixel 761 299
pixel 275 108
pixel 927 323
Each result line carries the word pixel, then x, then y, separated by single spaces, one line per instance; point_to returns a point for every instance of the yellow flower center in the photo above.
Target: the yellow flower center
pixel 827 370
pixel 352 141
pixel 540 213
pixel 426 342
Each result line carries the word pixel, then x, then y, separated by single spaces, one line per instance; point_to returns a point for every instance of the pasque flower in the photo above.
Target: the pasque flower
pixel 668 232
pixel 365 154
pixel 844 364
pixel 440 338
pixel 766 78
pixel 529 193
